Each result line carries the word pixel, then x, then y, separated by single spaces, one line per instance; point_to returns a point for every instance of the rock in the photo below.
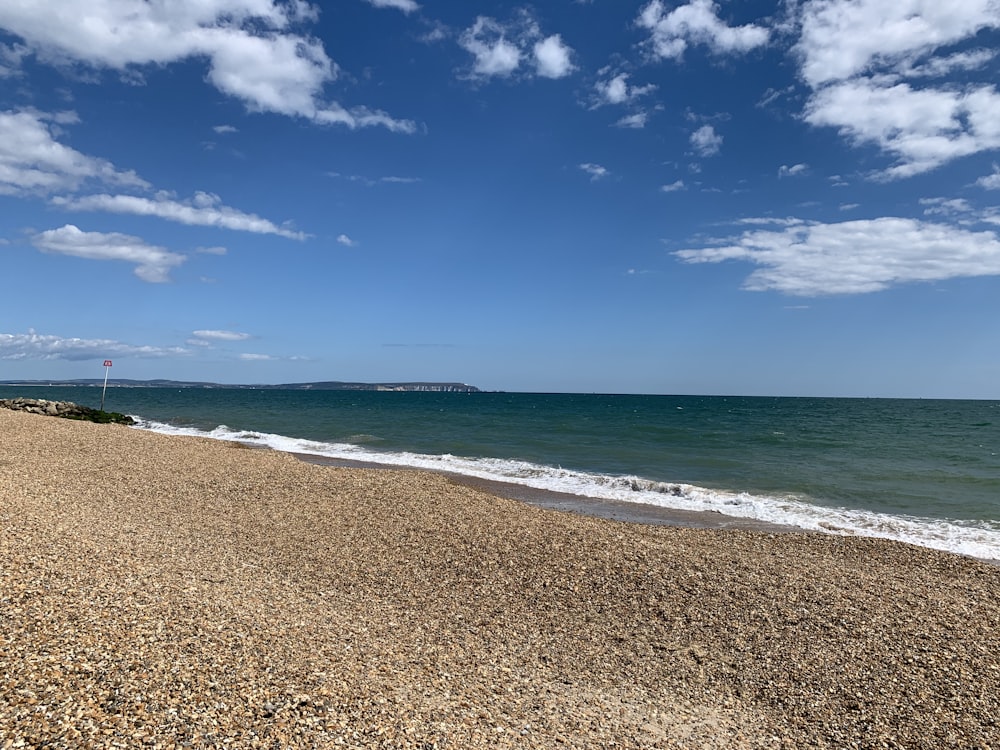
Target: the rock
pixel 65 409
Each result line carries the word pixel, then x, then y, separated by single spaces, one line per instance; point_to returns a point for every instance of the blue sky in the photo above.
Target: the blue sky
pixel 791 198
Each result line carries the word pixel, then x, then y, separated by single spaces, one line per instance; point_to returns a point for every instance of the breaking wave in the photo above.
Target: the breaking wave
pixel 975 539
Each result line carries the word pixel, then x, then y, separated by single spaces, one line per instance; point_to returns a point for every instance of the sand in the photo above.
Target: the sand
pixel 177 592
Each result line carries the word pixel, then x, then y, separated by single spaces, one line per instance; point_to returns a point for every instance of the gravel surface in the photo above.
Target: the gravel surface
pixel 176 592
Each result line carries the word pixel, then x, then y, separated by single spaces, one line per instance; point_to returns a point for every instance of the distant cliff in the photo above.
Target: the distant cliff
pixel 326 385
pixel 338 386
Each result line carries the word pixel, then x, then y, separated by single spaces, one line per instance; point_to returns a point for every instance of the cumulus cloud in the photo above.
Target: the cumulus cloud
pixel 706 141
pixel 877 72
pixel 495 55
pixel 616 90
pixel 250 47
pixel 31 345
pixel 33 162
pixel 222 129
pixel 553 59
pixel 498 49
pixel 204 209
pixel 673 187
pixel 922 128
pixel 596 171
pixel 343 239
pixel 854 257
pixel 844 38
pixel 152 263
pixel 216 335
pixel 698 22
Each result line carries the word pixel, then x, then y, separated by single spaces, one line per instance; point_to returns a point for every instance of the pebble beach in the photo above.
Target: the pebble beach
pixel 166 592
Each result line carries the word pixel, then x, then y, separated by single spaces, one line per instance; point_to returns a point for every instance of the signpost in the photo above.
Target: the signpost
pixel 107 369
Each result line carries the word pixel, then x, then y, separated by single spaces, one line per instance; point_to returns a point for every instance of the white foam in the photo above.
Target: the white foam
pixel 976 539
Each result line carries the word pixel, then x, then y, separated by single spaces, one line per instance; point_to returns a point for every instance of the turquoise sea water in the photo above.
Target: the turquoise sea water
pixel 922 471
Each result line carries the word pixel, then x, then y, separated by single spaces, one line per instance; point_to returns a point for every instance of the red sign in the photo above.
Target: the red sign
pixel 107 363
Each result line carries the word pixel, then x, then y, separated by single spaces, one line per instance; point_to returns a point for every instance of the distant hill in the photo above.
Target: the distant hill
pixel 325 385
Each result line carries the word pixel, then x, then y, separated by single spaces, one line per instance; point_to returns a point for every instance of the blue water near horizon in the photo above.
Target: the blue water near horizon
pixel 920 471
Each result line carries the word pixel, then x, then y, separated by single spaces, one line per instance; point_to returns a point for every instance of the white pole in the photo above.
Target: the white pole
pixel 107 369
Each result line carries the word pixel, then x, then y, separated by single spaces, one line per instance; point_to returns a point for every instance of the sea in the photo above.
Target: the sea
pixel 926 472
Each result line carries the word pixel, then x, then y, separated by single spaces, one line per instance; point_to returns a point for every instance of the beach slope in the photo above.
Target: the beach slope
pixel 178 592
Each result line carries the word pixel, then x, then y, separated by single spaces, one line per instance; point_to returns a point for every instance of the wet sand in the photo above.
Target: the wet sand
pixel 179 592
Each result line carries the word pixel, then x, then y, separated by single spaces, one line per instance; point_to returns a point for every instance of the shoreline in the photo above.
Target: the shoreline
pixel 612 510
pixel 172 591
pixel 703 507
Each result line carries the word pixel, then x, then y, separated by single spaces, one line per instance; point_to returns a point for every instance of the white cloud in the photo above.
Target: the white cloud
pixel 361 117
pixel 854 257
pixel 31 345
pixel 616 90
pixel 215 335
pixel 635 121
pixel 152 264
pixel 407 6
pixel 941 66
pixel 251 53
pixel 438 32
pixel 205 209
pixel 673 187
pixel 343 239
pixel 696 23
pixel 923 128
pixel 495 55
pixel 796 169
pixel 553 58
pixel 499 48
pixel 371 182
pixel 596 171
pixel 876 71
pixel 256 357
pixel 990 181
pixel 222 129
pixel 706 141
pixel 843 38
pixel 33 162
pixel 945 205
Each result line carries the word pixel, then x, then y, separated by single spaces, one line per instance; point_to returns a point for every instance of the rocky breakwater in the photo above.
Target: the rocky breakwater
pixel 65 409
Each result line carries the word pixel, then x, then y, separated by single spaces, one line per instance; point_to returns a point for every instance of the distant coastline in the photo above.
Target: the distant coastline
pixel 324 385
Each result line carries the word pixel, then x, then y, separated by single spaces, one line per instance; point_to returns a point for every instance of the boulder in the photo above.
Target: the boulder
pixel 64 409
